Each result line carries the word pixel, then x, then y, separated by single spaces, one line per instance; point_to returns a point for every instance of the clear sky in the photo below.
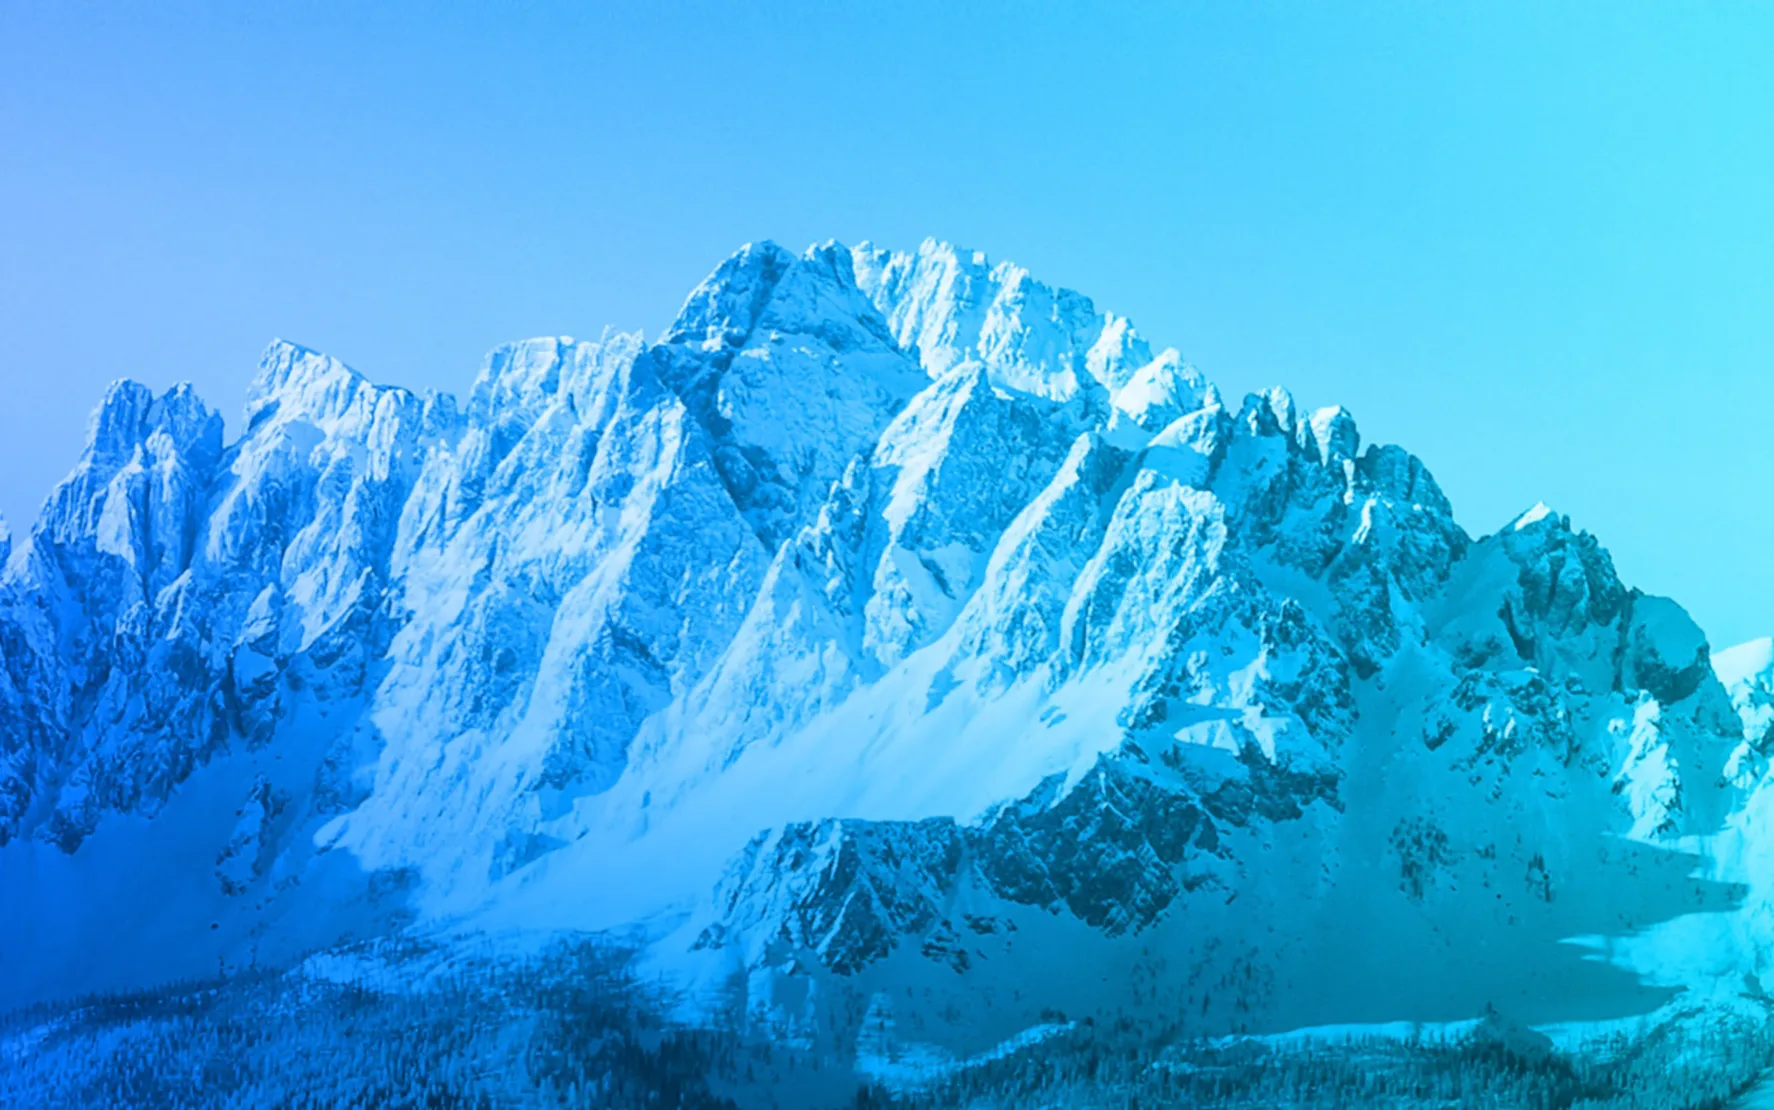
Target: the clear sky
pixel 1533 243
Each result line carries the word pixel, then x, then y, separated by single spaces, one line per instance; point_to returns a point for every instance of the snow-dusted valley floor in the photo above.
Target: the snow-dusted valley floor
pixel 896 681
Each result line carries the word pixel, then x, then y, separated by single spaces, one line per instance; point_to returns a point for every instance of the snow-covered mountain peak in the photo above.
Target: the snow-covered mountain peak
pixel 791 370
pixel 1335 434
pixel 1269 412
pixel 130 413
pixel 1164 389
pixel 725 306
pixel 764 287
pixel 954 306
pixel 1751 662
pixel 1541 511
pixel 300 384
pixel 134 491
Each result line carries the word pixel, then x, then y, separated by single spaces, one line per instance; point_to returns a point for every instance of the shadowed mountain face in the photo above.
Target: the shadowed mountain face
pixel 895 625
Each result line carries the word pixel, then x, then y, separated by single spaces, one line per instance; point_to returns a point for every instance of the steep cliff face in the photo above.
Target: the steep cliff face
pixel 174 594
pixel 893 621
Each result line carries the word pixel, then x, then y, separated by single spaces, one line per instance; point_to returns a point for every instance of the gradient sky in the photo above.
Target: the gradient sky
pixel 1534 243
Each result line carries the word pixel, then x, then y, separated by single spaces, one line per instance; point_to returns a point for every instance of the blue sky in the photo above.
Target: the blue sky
pixel 1533 243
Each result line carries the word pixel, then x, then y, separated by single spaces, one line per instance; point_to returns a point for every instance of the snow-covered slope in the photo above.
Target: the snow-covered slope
pixel 894 622
pixel 1747 671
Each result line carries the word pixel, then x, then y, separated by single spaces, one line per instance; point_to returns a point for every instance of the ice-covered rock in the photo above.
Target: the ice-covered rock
pixel 1747 671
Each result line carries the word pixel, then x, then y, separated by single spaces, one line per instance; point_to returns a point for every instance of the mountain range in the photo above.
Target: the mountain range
pixel 895 657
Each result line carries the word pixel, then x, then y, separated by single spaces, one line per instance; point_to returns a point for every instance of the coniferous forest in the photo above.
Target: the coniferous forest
pixel 400 1025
